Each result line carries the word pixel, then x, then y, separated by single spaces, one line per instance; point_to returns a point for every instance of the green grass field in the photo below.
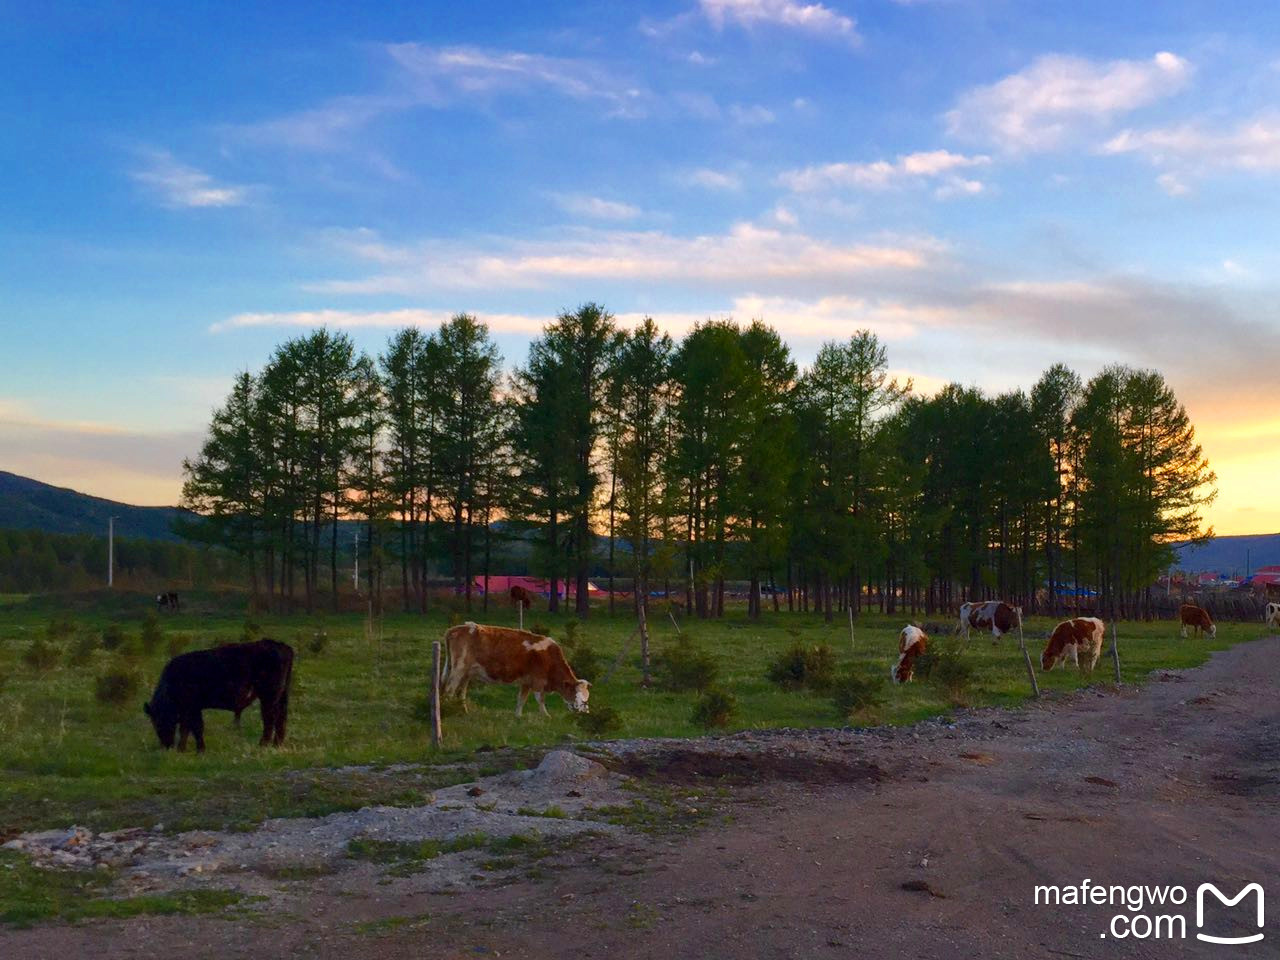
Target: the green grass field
pixel 67 758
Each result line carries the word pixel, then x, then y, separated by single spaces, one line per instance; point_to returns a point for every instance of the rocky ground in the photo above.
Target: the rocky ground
pixel 925 841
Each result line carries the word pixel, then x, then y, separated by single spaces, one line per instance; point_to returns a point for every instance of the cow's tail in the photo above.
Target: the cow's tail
pixel 446 660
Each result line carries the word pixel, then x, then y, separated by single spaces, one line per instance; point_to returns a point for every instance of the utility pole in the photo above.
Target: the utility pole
pixel 111 551
pixel 355 576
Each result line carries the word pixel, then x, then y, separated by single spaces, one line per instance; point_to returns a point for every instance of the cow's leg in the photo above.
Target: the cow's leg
pixel 268 709
pixel 521 697
pixel 542 704
pixel 1184 631
pixel 183 733
pixel 282 716
pixel 197 728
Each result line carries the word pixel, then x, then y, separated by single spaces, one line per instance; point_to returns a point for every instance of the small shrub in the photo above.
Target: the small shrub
pixel 540 628
pixel 570 638
pixel 41 655
pixel 799 666
pixel 682 666
pixel 319 640
pixel 599 721
pixel 177 645
pixel 152 633
pixel 115 687
pixel 60 627
pixel 952 671
pixel 251 631
pixel 715 709
pixel 853 693
pixel 113 636
pixel 586 663
pixel 82 650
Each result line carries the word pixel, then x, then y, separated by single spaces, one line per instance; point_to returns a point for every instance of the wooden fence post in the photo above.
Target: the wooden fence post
pixel 852 645
pixel 1031 671
pixel 1115 651
pixel 674 623
pixel 436 734
pixel 520 612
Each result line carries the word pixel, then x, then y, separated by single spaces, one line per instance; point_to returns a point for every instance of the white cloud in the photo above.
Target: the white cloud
pixel 1253 146
pixel 596 208
pixel 747 254
pixel 396 319
pixel 785 216
pixel 179 186
pixel 814 18
pixel 752 115
pixel 1173 185
pixel 711 179
pixel 959 187
pixel 1058 97
pixel 437 77
pixel 880 174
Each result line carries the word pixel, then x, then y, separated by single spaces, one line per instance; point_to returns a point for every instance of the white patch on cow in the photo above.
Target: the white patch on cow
pixel 909 635
pixel 581 694
pixel 1273 615
pixel 546 643
pixel 472 627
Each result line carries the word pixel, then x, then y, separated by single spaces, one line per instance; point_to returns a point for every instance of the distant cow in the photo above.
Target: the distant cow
pixel 503 655
pixel 229 677
pixel 1078 641
pixel 1198 618
pixel 167 601
pixel 520 597
pixel 994 615
pixel 912 642
pixel 1273 615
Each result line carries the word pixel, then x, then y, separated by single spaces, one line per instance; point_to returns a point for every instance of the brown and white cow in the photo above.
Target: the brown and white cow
pixel 502 655
pixel 912 642
pixel 1078 640
pixel 1273 615
pixel 994 615
pixel 1197 617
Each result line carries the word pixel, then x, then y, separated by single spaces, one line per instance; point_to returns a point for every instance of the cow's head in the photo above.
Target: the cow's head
pixel 579 694
pixel 1049 658
pixel 1213 630
pixel 164 721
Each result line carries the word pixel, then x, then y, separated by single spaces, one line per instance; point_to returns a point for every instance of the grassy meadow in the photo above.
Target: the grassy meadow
pixel 358 700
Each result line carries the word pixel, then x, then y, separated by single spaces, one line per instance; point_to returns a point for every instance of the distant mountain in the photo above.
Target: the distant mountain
pixel 1232 555
pixel 27 504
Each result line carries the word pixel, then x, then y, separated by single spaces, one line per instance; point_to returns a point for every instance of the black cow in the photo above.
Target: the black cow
pixel 167 601
pixel 229 677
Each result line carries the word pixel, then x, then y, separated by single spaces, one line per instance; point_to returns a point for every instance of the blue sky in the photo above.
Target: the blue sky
pixel 990 186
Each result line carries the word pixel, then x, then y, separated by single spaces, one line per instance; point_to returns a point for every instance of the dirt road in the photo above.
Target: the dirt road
pixel 917 842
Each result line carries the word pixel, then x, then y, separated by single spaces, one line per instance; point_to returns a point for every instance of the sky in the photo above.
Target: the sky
pixel 990 186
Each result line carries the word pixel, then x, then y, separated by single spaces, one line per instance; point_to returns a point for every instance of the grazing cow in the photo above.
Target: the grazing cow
pixel 1078 640
pixel 167 601
pixel 995 615
pixel 912 642
pixel 1197 617
pixel 520 597
pixel 503 655
pixel 1273 615
pixel 229 677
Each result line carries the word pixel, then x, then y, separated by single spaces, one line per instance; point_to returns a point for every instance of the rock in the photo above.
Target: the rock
pixel 561 765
